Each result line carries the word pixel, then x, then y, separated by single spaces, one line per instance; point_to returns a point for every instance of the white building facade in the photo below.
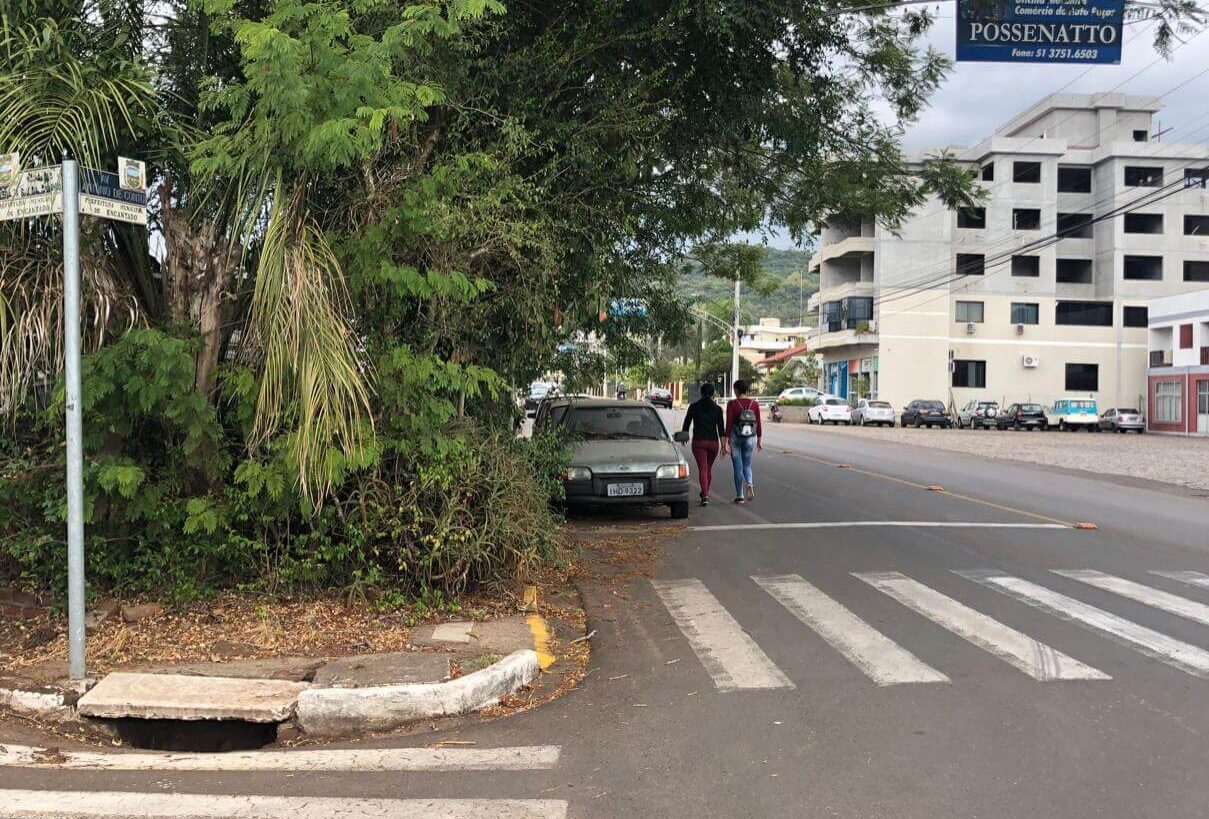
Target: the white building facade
pixel 1043 291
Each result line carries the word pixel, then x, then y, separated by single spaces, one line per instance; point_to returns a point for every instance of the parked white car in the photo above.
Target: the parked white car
pixel 873 412
pixel 833 410
pixel 800 392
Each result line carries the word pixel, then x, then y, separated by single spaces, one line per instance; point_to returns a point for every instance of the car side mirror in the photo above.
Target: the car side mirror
pixel 680 437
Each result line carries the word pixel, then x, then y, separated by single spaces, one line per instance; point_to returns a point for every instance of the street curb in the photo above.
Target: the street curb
pixel 332 712
pixel 47 705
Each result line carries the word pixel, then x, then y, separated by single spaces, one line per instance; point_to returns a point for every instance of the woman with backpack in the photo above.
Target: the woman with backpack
pixel 709 431
pixel 744 437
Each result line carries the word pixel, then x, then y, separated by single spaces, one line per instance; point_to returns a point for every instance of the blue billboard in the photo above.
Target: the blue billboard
pixel 1039 31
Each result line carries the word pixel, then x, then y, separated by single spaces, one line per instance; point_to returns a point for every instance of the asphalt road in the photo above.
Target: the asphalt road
pixel 783 668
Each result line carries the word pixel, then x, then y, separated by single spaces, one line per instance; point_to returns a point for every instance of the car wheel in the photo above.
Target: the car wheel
pixel 1062 426
pixel 679 510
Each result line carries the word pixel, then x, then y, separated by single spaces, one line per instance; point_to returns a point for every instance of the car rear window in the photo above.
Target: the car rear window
pixel 1127 411
pixel 1083 404
pixel 1030 408
pixel 834 402
pixel 616 424
pixel 932 405
pixel 988 403
pixel 880 404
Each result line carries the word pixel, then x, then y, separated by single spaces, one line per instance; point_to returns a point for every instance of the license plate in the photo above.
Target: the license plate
pixel 625 490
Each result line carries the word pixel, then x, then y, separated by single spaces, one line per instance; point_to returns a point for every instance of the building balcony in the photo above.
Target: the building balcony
pixel 846 336
pixel 839 292
pixel 853 247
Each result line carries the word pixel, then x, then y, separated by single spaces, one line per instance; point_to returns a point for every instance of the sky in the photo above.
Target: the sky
pixel 977 98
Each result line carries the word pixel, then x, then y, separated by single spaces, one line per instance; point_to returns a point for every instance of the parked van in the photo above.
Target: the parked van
pixel 1075 413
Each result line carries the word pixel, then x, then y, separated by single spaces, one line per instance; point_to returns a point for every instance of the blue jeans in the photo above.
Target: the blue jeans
pixel 741 450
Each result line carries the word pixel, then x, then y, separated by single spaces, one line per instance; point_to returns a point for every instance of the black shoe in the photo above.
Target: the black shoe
pixel 704 501
pixel 740 500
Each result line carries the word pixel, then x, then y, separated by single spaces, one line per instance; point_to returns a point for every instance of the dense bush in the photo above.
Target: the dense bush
pixel 176 508
pixel 798 402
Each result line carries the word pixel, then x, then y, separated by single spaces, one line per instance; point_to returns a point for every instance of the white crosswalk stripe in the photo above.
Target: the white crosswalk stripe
pixel 1036 659
pixel 883 660
pixel 30 804
pixel 1181 655
pixel 1171 603
pixel 729 654
pixel 1191 578
pixel 538 757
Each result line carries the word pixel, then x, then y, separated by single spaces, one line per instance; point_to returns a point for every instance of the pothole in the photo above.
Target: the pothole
pixel 195 736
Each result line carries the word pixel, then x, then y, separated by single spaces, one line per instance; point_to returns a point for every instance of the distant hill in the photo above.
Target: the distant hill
pixel 782 265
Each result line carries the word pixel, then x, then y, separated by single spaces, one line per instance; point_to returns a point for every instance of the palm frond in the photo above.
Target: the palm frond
pixel 312 375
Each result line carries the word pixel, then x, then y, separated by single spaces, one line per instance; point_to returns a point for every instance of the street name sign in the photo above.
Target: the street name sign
pixel 29 193
pixel 104 194
pixel 1040 31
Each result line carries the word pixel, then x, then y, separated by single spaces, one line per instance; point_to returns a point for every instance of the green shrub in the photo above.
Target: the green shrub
pixel 798 402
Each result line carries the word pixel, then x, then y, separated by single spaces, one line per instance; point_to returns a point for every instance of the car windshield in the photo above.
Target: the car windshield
pixel 616 423
pixel 880 404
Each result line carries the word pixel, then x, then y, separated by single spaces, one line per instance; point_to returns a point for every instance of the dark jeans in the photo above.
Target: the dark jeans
pixel 705 453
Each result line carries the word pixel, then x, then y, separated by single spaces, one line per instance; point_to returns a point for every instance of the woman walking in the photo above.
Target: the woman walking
pixel 744 437
pixel 705 417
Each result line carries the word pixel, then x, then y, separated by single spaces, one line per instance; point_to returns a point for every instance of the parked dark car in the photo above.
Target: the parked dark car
pixel 1122 419
pixel 1023 416
pixel 928 414
pixel 660 397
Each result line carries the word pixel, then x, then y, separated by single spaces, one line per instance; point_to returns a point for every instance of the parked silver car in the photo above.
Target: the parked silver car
pixel 1122 419
pixel 978 413
pixel 623 455
pixel 868 412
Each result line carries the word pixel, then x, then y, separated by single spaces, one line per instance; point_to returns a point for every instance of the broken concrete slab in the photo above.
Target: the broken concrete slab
pixel 397 668
pixel 184 697
pixel 452 632
pixel 502 636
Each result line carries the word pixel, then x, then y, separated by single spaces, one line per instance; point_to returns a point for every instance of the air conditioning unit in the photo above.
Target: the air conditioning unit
pixel 1019 329
pixel 1030 362
pixel 970 328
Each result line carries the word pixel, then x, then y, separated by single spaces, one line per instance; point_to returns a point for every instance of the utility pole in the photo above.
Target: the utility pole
pixel 735 337
pixel 75 433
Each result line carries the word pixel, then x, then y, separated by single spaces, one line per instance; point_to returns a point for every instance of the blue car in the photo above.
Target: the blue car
pixel 1075 413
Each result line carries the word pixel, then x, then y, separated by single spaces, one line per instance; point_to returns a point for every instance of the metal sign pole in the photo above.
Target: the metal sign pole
pixel 75 435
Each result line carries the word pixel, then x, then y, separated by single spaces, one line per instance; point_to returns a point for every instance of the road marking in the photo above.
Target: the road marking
pixel 1036 659
pixel 532 758
pixel 1171 603
pixel 846 524
pixel 1187 658
pixel 729 654
pixel 28 804
pixel 1191 578
pixel 883 660
pixel 1064 523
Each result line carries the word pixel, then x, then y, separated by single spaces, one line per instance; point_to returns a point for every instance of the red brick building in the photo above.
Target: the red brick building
pixel 1178 373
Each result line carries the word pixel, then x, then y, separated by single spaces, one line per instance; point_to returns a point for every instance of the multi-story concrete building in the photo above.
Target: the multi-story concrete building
pixel 990 301
pixel 768 337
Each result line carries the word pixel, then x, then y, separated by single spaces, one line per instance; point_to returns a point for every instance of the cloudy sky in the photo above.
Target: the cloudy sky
pixel 978 97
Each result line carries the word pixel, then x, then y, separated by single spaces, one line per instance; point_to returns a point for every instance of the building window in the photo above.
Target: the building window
pixel 1144 268
pixel 1135 316
pixel 1075 225
pixel 1141 136
pixel 973 218
pixel 970 374
pixel 1196 271
pixel 1026 266
pixel 1185 336
pixel 1084 313
pixel 1137 176
pixel 969 312
pixel 971 264
pixel 1143 223
pixel 1082 377
pixel 988 172
pixel 1196 177
pixel 833 316
pixel 1073 271
pixel 1026 219
pixel 1168 402
pixel 857 309
pixel 1024 312
pixel 1196 225
pixel 1026 172
pixel 1074 180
